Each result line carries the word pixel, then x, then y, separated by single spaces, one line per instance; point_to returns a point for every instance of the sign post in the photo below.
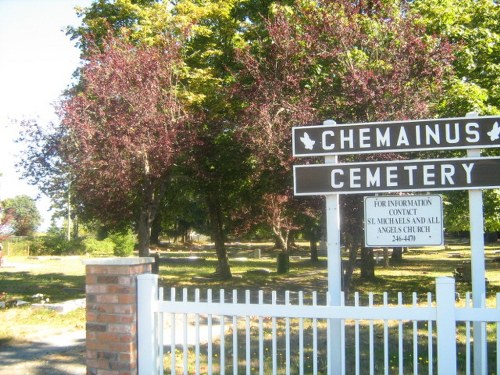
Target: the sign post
pixel 334 268
pixel 476 217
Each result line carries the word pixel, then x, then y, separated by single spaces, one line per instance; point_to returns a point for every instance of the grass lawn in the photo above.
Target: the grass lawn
pixel 417 272
pixel 63 278
pixel 57 278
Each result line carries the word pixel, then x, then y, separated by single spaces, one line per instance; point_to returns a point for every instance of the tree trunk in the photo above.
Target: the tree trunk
pixel 277 243
pixel 367 264
pixel 144 232
pixel 397 255
pixel 75 226
pixel 291 240
pixel 281 238
pixel 313 245
pixel 386 257
pixel 223 270
pixel 349 269
pixel 314 235
pixel 156 230
pixel 153 194
pixel 283 265
pixel 283 261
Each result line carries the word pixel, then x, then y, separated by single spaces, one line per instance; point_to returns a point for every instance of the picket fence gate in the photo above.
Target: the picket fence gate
pixel 292 335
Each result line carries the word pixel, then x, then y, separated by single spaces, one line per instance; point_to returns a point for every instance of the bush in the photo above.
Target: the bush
pixel 38 246
pixel 53 244
pixel 124 243
pixel 16 246
pixel 95 247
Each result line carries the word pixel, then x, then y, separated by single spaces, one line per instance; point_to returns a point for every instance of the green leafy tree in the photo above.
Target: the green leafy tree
pixel 218 165
pixel 41 165
pixel 351 61
pixel 473 29
pixel 127 123
pixel 25 217
pixel 120 125
pixel 206 54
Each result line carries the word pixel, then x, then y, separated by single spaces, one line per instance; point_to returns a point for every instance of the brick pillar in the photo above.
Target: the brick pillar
pixel 111 290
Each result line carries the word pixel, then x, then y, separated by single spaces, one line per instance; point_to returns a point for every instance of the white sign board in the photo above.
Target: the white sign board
pixel 397 221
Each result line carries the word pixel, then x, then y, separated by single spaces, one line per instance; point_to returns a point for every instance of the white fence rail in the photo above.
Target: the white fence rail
pixel 263 334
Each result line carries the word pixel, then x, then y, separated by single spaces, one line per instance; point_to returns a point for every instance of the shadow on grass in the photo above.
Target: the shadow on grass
pixel 55 286
pixel 4 341
pixel 39 357
pixel 304 275
pixel 390 345
pixel 411 275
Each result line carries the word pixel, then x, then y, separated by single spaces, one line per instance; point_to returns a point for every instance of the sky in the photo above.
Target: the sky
pixel 37 60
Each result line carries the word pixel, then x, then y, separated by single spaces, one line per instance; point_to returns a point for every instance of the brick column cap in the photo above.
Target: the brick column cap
pixel 118 261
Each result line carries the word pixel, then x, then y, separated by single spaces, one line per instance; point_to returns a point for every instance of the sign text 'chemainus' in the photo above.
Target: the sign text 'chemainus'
pixel 453 133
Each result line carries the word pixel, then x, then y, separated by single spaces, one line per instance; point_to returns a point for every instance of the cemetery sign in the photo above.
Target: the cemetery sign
pixel 397 176
pixel 396 136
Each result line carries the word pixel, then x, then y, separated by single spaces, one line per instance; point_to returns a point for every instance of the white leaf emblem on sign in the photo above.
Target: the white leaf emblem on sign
pixel 307 141
pixel 494 133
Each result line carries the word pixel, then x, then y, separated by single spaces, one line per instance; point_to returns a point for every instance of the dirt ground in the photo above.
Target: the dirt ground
pixel 62 353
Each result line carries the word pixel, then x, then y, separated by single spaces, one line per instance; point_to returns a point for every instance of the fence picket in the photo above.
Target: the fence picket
pixel 370 338
pixel 247 334
pixel 484 349
pixel 197 332
pixel 235 335
pixel 287 335
pixel 222 356
pixel 415 337
pixel 498 333
pixel 356 335
pixel 209 323
pixel 315 336
pixel 185 334
pixel 342 339
pixel 261 336
pixel 274 345
pixel 468 303
pixel 400 336
pixel 159 333
pixel 386 336
pixel 430 341
pixel 172 334
pixel 301 336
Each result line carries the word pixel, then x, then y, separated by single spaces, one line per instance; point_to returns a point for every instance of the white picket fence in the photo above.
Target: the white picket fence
pixel 264 334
